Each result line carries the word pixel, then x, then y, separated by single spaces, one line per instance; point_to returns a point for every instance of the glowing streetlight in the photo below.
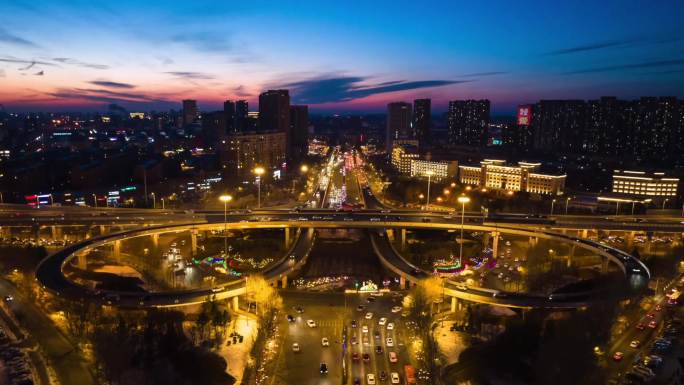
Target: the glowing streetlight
pixel 462 200
pixel 439 199
pixel 453 184
pixel 567 200
pixel 259 171
pixel 429 174
pixel 553 203
pixel 225 199
pixel 304 168
pixel 446 191
pixel 665 201
pixel 154 201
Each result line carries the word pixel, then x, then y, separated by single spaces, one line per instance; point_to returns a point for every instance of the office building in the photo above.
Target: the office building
pixel 521 134
pixel 398 123
pixel 643 184
pixel 299 132
pixel 559 125
pixel 497 175
pixel 402 156
pixel 467 122
pixel 439 170
pixel 190 112
pixel 274 115
pixel 422 120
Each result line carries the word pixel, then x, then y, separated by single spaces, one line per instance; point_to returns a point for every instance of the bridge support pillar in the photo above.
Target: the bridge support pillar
pixel 193 242
pixel 5 232
pixel 81 261
pixel 56 232
pixel 284 282
pixel 495 244
pixel 103 229
pixel 117 249
pixel 585 233
pixel 287 236
pixel 454 304
pixel 403 239
pixel 236 303
pixel 571 254
pixel 630 240
pixel 485 239
pixel 155 240
pixel 402 282
pixel 533 241
pixel 36 232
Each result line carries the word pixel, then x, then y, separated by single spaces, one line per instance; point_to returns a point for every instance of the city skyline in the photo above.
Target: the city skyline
pixel 67 57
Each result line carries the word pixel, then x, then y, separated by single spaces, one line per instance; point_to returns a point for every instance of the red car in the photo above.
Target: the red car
pixel 652 324
pixel 658 307
pixel 650 315
pixel 641 326
pixel 355 356
pixel 618 356
pixel 366 357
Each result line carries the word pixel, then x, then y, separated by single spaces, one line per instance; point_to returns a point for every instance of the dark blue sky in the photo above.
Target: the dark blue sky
pixel 341 56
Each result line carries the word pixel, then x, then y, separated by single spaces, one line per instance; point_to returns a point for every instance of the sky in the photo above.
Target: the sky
pixel 341 56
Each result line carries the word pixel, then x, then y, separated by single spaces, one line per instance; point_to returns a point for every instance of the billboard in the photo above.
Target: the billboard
pixel 524 115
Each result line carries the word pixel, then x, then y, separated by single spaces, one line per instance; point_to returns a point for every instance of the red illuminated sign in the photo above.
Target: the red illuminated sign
pixel 524 115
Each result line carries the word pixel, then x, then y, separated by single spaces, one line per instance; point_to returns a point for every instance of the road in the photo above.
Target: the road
pixel 332 312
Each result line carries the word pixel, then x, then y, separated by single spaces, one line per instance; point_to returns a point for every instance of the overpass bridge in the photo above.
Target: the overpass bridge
pixel 51 276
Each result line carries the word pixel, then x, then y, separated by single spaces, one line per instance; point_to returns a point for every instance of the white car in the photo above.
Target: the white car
pixel 370 379
pixel 393 357
pixel 396 309
pixel 369 315
pixel 394 377
pixel 325 342
pixel 295 347
pixel 390 341
pixel 382 321
pixel 364 329
pixel 311 323
pixel 390 326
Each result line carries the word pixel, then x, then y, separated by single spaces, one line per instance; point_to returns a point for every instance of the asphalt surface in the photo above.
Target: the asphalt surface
pixel 332 313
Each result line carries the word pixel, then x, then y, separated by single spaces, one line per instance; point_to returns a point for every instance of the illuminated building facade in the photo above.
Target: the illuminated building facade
pixel 438 170
pixel 642 184
pixel 240 153
pixel 402 156
pixel 497 175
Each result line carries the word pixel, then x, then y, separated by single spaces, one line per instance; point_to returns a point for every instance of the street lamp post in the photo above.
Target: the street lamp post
pixel 664 202
pixel 567 200
pixel 259 171
pixel 553 202
pixel 462 200
pixel 427 202
pixel 225 199
pixel 154 201
pixel 633 203
pixel 163 205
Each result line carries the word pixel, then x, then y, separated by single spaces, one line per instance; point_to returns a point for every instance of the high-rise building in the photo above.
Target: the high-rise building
pixel 299 132
pixel 468 121
pixel 274 114
pixel 657 127
pixel 398 123
pixel 559 125
pixel 229 114
pixel 422 119
pixel 240 153
pixel 190 111
pixel 241 112
pixel 520 135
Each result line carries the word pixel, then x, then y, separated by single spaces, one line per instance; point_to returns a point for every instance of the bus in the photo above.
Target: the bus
pixel 410 375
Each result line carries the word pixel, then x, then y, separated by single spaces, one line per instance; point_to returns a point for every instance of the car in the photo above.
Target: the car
pixel 370 299
pixel 366 357
pixel 9 298
pixel 325 342
pixel 323 368
pixel 295 347
pixel 355 356
pixel 360 308
pixel 366 341
pixel 311 323
pixel 396 309
pixel 658 307
pixel 369 315
pixel 378 349
pixel 390 326
pixel 290 318
pixel 393 357
pixel 641 326
pixel 394 378
pixel 618 356
pixel 650 315
pixel 376 334
pixel 364 329
pixel 382 321
pixel 653 324
pixel 357 381
pixel 634 344
pixel 383 376
pixel 354 324
pixel 389 341
pixel 370 379
pixel 299 309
